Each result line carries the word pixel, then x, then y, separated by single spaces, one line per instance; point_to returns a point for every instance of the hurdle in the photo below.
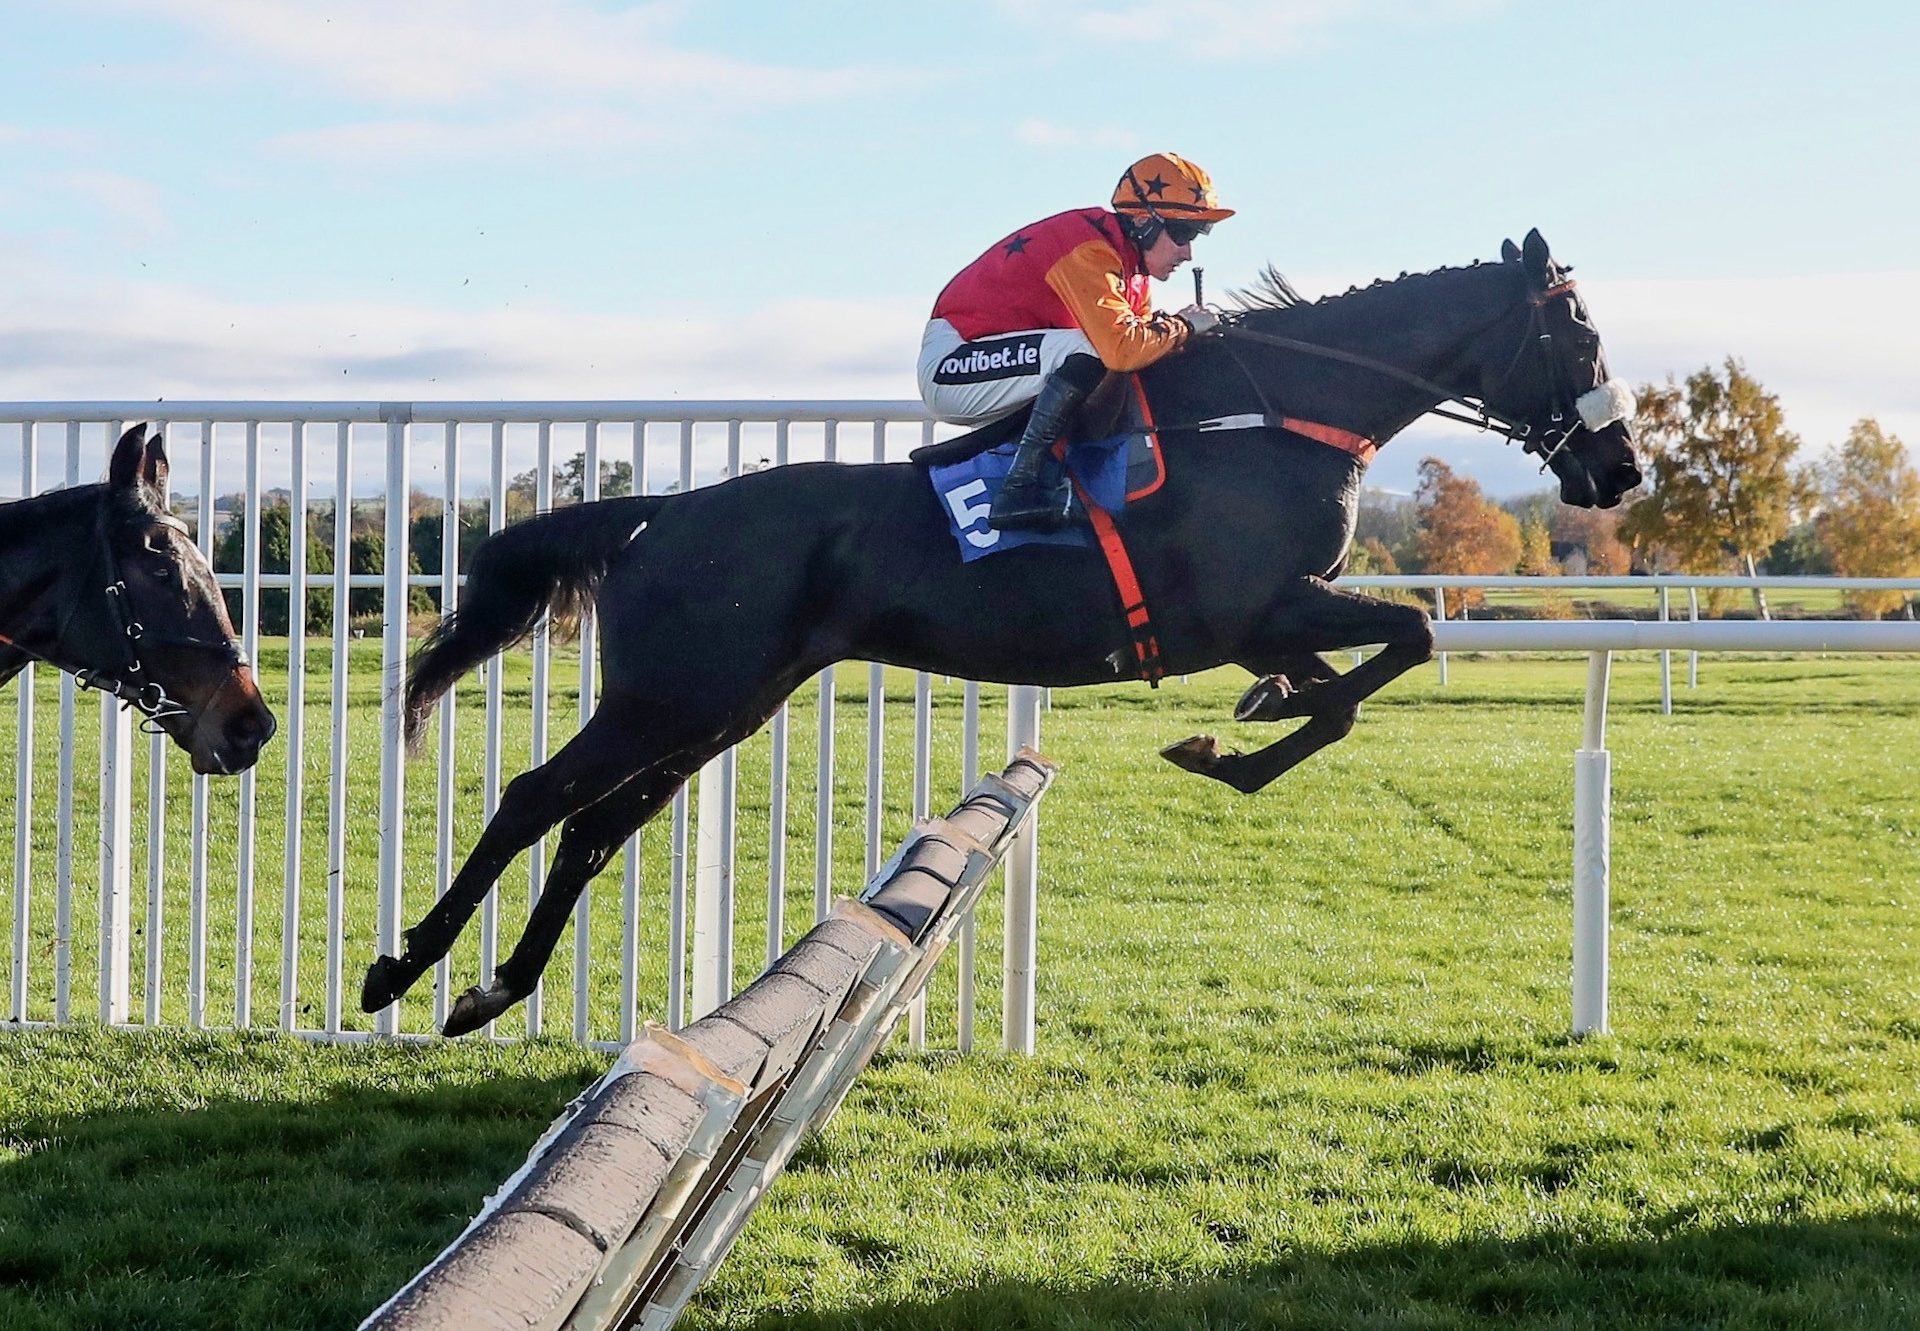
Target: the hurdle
pixel 634 1195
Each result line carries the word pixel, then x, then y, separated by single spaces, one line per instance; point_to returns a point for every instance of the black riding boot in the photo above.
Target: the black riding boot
pixel 1036 494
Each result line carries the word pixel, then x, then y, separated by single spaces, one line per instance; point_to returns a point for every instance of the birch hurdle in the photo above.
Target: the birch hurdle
pixel 635 1194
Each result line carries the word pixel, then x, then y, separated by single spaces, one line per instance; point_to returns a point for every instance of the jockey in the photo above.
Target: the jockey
pixel 1047 311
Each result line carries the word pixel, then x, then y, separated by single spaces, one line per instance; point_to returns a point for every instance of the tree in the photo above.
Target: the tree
pixel 1595 534
pixel 616 479
pixel 276 546
pixel 1461 531
pixel 1720 460
pixel 1389 521
pixel 426 547
pixel 367 553
pixel 1370 556
pixel 1536 549
pixel 1869 518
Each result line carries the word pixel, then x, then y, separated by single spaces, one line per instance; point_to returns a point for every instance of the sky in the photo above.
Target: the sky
pixel 477 199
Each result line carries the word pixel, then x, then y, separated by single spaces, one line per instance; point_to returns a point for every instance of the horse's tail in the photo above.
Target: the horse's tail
pixel 547 566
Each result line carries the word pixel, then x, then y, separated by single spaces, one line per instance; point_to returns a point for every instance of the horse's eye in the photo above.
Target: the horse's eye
pixel 162 573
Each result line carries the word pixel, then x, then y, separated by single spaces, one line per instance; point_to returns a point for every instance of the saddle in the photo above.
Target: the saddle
pixel 1118 407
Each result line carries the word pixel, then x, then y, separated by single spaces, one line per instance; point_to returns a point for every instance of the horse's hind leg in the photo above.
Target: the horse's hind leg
pixel 588 843
pixel 1316 618
pixel 594 762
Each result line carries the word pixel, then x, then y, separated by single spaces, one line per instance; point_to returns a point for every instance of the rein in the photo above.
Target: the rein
pixel 1485 417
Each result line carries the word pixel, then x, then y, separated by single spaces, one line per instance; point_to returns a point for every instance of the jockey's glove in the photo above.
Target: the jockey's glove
pixel 1199 319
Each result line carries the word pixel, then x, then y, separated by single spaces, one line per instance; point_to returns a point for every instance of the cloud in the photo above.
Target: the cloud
pixel 1833 347
pixel 133 207
pixel 69 336
pixel 546 131
pixel 1048 134
pixel 450 53
pixel 1242 29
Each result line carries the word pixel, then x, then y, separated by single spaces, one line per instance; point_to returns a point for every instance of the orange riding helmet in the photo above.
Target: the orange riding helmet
pixel 1171 192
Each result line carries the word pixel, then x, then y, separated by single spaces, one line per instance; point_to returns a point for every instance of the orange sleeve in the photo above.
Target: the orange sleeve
pixel 1087 280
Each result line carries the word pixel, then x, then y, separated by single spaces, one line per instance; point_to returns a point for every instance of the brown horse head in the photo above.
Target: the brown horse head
pixel 153 624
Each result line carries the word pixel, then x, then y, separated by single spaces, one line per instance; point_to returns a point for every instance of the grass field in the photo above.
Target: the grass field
pixel 1303 1056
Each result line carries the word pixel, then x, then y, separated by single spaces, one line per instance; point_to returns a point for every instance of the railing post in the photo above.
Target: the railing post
pixel 969 774
pixel 777 784
pixel 23 778
pixel 823 785
pixel 295 731
pixel 1666 661
pixel 1693 617
pixel 1440 613
pixel 337 778
pixel 922 808
pixel 1020 962
pixel 63 810
pixel 1592 818
pixel 249 779
pixel 542 686
pixel 116 851
pixel 393 667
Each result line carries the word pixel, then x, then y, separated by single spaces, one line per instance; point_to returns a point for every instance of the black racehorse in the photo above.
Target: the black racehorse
pixel 716 604
pixel 102 582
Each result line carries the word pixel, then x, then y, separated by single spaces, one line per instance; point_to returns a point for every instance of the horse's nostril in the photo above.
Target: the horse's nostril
pixel 252 728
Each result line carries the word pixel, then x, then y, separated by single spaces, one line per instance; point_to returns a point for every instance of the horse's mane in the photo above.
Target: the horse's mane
pixel 1272 293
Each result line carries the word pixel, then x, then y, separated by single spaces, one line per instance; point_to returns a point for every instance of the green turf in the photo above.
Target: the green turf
pixel 1303 1055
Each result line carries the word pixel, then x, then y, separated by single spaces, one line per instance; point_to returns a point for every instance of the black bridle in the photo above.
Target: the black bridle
pixel 131 682
pixel 1552 437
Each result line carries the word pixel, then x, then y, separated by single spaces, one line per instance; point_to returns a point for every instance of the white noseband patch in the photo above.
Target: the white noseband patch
pixel 1602 406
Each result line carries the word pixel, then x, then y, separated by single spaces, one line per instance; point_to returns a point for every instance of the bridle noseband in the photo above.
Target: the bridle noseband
pixel 1551 439
pixel 131 683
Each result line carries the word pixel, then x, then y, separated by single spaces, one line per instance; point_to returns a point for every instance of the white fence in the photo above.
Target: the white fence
pixel 288 445
pixel 285 446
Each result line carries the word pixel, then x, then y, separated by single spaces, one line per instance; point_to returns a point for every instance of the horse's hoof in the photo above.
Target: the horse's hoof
pixel 387 979
pixel 1199 754
pixel 474 1009
pixel 1271 698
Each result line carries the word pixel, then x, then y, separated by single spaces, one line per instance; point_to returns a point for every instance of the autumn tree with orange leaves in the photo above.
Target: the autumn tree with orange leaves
pixel 1869 518
pixel 1461 530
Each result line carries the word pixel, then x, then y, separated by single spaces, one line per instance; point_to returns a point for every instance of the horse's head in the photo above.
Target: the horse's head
pixel 148 622
pixel 1555 389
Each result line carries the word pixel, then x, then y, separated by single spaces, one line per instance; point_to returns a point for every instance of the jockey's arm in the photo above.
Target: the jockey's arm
pixel 1088 281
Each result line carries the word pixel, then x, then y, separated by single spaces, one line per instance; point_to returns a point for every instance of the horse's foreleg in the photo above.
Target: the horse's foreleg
pixel 1292 687
pixel 1317 618
pixel 597 760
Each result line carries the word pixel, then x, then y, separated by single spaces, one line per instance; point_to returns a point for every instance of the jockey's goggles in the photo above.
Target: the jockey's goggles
pixel 1184 233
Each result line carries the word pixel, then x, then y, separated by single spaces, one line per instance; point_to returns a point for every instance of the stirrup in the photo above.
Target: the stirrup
pixel 1038 506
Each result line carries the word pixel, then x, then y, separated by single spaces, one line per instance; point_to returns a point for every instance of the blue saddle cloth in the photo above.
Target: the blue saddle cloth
pixel 966 491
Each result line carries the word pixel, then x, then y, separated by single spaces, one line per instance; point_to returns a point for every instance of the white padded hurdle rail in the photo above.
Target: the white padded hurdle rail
pixel 635 1194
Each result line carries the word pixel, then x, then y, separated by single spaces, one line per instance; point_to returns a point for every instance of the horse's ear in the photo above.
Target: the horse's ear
pixel 155 470
pixel 138 461
pixel 129 458
pixel 1509 252
pixel 1533 254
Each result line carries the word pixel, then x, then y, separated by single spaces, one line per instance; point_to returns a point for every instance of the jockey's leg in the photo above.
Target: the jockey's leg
pixel 1036 494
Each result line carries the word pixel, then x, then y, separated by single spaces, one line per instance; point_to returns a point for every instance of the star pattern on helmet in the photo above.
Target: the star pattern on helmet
pixel 1156 187
pixel 1199 194
pixel 1017 245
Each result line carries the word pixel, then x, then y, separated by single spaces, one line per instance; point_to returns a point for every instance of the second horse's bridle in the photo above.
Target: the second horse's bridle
pixel 130 682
